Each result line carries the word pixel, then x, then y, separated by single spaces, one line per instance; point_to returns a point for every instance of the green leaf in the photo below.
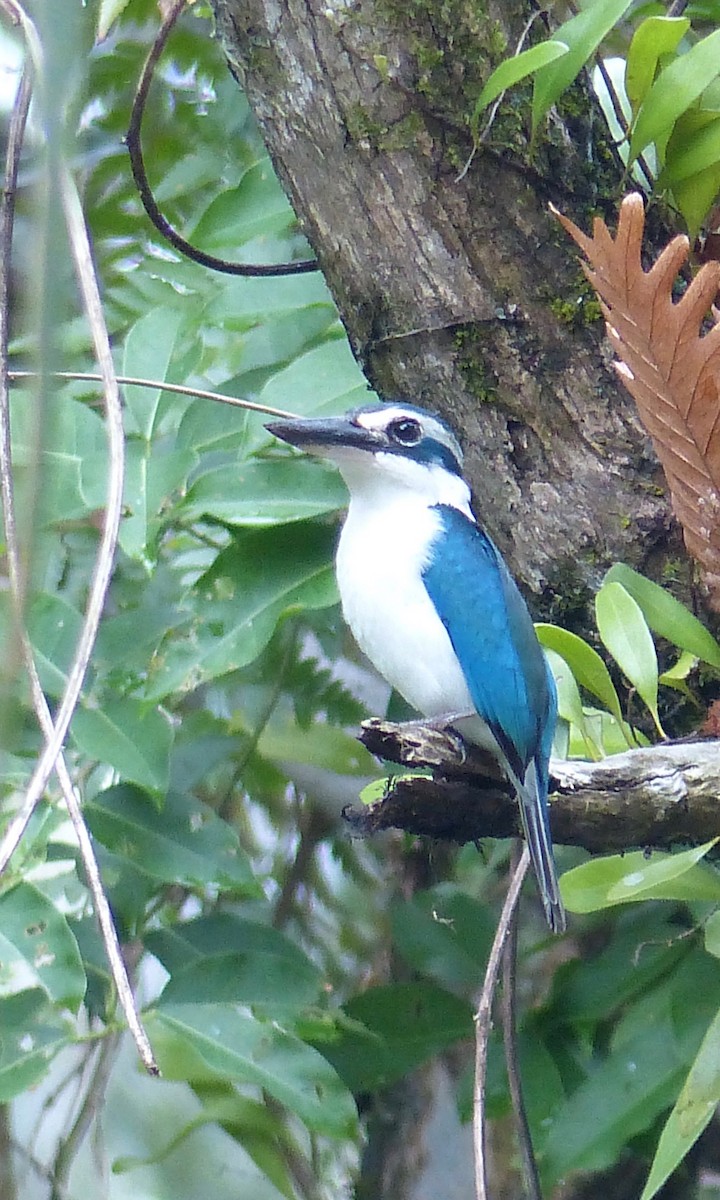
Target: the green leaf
pixel 256 979
pixel 693 1110
pixel 31 1037
pixel 262 576
pixel 108 14
pixel 693 146
pixel 131 737
pixel 38 949
pixel 54 626
pixel 246 302
pixel 582 35
pixel 654 37
pixel 584 662
pixel 642 948
pixel 325 380
pixel 265 493
pixel 695 196
pixel 666 616
pixel 569 703
pixel 321 745
pixel 149 347
pixel 674 90
pixel 190 942
pixel 256 206
pixel 152 474
pixel 612 735
pixel 513 70
pixel 207 1041
pixel 618 879
pixel 678 673
pixel 207 427
pixel 625 633
pixel 586 665
pixel 622 1096
pixel 53 459
pixel 712 934
pixel 127 641
pixel 257 1129
pixel 692 165
pixel 444 935
pixel 184 842
pixel 393 1029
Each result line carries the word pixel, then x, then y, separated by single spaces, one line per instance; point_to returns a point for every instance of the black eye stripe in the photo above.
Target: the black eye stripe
pixel 405 431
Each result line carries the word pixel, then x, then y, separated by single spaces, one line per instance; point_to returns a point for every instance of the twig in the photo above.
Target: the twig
pixel 622 121
pixel 84 268
pixel 261 723
pixel 55 734
pixel 8 1182
pixel 180 388
pixel 39 1168
pixel 482 137
pixel 509 1027
pixel 91 1105
pixel 483 1025
pixel 104 564
pixel 312 829
pixel 137 162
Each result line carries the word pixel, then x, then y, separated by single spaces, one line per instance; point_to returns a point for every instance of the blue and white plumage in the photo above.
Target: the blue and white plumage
pixel 430 601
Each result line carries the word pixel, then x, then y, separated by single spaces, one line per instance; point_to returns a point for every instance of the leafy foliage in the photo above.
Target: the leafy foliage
pixel 668 95
pixel 212 742
pixel 668 363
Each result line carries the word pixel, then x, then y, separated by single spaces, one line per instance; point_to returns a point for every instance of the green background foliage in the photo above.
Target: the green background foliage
pixel 213 743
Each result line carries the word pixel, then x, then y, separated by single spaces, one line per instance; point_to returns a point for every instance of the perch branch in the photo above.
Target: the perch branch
pixel 658 796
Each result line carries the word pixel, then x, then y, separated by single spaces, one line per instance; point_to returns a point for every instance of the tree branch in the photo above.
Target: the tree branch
pixel 483 1023
pixel 659 796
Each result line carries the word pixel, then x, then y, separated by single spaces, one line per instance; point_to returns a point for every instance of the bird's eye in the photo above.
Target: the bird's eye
pixel 405 431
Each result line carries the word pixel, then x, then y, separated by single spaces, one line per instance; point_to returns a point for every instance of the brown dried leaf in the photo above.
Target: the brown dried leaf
pixel 669 367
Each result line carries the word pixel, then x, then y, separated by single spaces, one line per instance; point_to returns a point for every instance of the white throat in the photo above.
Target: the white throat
pixel 385 544
pixel 377 480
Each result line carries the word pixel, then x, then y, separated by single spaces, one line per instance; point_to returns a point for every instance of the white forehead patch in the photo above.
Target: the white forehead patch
pixel 381 418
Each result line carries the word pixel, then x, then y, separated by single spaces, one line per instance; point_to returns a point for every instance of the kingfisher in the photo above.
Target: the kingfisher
pixel 430 601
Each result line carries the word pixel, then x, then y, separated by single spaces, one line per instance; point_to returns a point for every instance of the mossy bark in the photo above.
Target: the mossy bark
pixel 459 291
pixel 456 292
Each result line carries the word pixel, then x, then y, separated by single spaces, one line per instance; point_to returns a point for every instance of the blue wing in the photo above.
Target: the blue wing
pixel 507 674
pixel 493 636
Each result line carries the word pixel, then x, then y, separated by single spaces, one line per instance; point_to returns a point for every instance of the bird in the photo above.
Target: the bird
pixel 432 604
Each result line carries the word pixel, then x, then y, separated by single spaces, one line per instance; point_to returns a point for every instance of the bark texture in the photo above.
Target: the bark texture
pixel 659 797
pixel 460 294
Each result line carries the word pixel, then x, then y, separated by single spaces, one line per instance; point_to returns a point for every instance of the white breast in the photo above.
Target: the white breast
pixel 383 548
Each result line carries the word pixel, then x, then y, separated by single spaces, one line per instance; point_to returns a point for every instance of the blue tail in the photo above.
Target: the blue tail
pixel 533 812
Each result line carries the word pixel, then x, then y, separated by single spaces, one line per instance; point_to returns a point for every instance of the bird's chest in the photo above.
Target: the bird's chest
pixel 380 560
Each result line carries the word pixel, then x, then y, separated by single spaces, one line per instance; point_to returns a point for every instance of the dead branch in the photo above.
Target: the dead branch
pixel 657 797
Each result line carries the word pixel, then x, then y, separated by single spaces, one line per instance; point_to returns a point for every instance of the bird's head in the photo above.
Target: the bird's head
pixel 385 445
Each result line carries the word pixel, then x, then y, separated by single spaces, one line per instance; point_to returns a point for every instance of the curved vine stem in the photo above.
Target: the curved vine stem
pixel 54 732
pixel 137 163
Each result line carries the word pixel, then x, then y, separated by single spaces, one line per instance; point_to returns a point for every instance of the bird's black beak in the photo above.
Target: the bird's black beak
pixel 323 435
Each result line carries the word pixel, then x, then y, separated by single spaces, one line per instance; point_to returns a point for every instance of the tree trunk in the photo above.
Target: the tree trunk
pixel 461 294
